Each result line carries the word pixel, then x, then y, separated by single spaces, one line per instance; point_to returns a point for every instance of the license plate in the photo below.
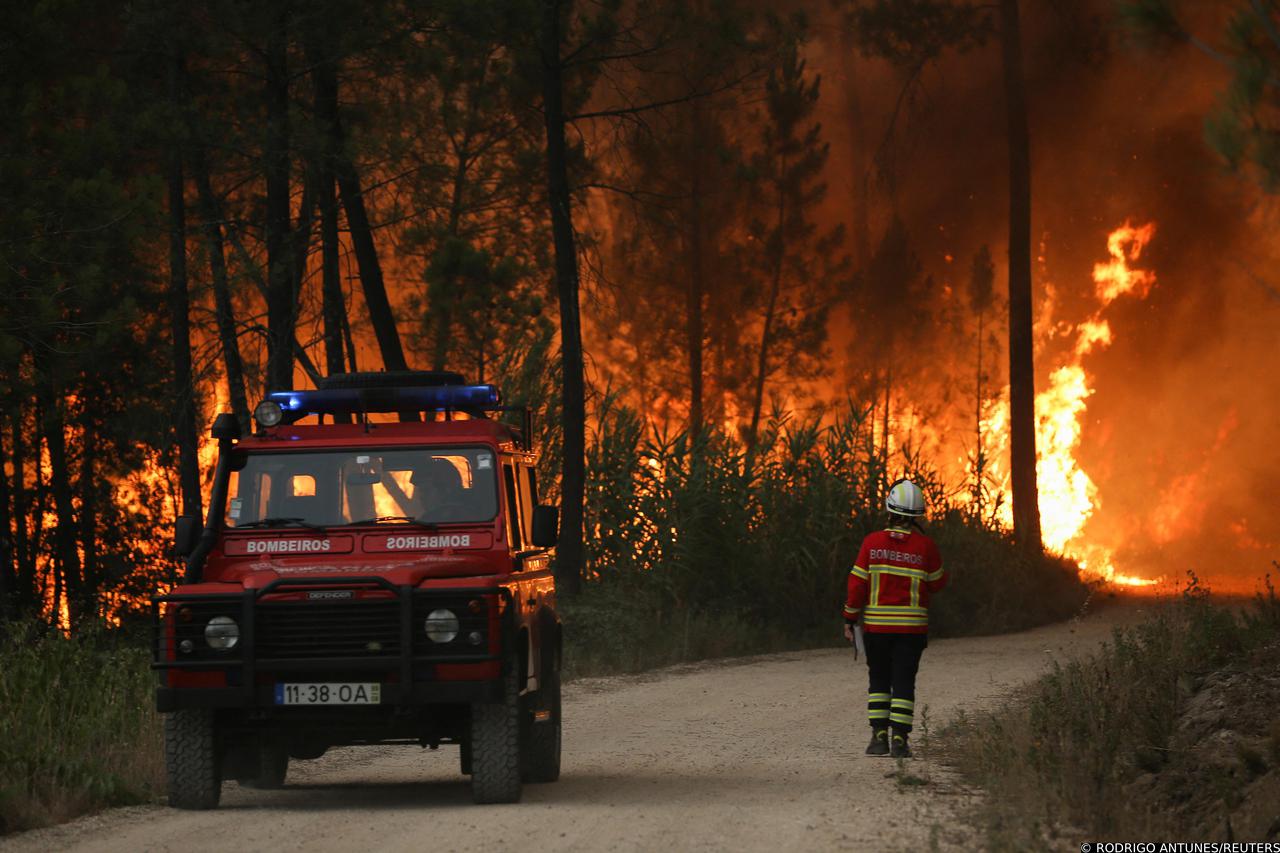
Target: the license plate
pixel 328 694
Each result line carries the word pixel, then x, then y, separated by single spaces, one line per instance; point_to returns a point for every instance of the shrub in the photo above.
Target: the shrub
pixel 1063 754
pixel 80 732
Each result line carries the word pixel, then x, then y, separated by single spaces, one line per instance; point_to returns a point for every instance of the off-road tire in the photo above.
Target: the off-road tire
pixel 495 743
pixel 273 766
pixel 191 759
pixel 540 756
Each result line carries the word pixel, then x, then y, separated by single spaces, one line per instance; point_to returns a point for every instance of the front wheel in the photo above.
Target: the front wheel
pixel 495 743
pixel 541 753
pixel 191 759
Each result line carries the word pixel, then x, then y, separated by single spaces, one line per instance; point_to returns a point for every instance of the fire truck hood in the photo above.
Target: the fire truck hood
pixel 401 571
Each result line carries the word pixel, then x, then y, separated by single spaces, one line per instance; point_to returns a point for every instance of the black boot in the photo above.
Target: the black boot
pixel 898 746
pixel 879 742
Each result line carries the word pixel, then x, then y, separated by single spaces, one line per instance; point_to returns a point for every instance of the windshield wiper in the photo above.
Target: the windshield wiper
pixel 383 518
pixel 281 521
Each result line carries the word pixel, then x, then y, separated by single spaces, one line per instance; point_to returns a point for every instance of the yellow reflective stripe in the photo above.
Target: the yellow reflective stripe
pixel 878 715
pixel 896 620
pixel 934 576
pixel 898 608
pixel 851 611
pixel 900 718
pixel 858 571
pixel 875 590
pixel 897 530
pixel 900 571
pixel 915 592
pixel 877 697
pixel 903 704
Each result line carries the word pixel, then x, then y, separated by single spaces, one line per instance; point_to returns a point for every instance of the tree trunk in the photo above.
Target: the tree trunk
pixel 322 57
pixel 351 344
pixel 979 456
pixel 179 320
pixel 886 435
pixel 695 293
pixel 1022 378
pixel 88 603
pixel 766 335
pixel 66 552
pixel 281 315
pixel 570 552
pixel 23 559
pixel 366 252
pixel 762 370
pixel 443 312
pixel 8 573
pixel 223 310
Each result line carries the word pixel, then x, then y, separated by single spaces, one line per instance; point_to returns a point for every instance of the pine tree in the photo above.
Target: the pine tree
pixel 794 263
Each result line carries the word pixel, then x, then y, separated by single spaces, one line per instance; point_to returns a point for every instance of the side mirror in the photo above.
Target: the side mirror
pixel 546 526
pixel 186 532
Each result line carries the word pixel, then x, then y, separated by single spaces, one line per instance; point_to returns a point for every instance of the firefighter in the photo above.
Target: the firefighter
pixel 896 572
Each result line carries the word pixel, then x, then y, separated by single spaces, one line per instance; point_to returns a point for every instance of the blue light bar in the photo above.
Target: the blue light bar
pixel 298 404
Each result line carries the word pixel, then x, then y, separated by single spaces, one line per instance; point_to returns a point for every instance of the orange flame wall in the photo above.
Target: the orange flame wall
pixel 1156 320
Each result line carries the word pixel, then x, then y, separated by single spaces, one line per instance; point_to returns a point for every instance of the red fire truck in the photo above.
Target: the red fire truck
pixel 374 569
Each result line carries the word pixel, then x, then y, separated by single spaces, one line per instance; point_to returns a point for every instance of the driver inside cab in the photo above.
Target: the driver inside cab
pixel 437 491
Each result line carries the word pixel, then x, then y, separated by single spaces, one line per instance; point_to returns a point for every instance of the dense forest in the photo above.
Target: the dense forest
pixel 691 236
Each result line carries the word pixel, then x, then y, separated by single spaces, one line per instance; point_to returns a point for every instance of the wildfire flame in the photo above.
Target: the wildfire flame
pixel 1068 495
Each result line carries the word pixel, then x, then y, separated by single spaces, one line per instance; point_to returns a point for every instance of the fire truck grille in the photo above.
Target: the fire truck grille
pixel 349 629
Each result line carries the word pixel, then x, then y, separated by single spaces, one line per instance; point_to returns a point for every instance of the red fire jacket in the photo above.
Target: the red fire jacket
pixel 890 584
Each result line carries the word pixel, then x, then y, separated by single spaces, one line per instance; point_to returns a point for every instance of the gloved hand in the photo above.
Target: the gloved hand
pixel 848 631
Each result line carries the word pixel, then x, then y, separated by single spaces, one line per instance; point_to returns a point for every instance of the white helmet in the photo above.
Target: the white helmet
pixel 905 498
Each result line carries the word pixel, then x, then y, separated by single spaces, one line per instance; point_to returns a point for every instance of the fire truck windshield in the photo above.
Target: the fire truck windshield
pixel 334 487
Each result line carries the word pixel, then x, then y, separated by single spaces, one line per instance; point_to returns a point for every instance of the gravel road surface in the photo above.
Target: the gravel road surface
pixel 751 754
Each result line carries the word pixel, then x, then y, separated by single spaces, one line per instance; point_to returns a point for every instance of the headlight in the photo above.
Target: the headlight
pixel 222 633
pixel 442 626
pixel 268 413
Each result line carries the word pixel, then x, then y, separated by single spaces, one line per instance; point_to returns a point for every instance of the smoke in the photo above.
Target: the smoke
pixel 1178 435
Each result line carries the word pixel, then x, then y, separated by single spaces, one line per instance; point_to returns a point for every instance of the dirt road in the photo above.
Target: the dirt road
pixel 756 754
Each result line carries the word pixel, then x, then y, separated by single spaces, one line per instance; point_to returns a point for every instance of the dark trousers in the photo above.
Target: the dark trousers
pixel 892 661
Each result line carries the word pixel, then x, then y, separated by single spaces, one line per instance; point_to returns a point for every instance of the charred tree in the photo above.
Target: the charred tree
pixel 179 309
pixel 281 306
pixel 569 551
pixel 1022 386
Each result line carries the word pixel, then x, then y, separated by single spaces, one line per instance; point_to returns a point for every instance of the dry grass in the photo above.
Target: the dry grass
pixel 1106 747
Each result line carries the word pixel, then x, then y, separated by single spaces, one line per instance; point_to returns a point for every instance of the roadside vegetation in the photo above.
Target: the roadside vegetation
pixel 79 729
pixel 1169 731
pixel 701 548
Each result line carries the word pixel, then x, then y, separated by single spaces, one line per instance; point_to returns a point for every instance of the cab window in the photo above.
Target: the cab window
pixel 513 507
